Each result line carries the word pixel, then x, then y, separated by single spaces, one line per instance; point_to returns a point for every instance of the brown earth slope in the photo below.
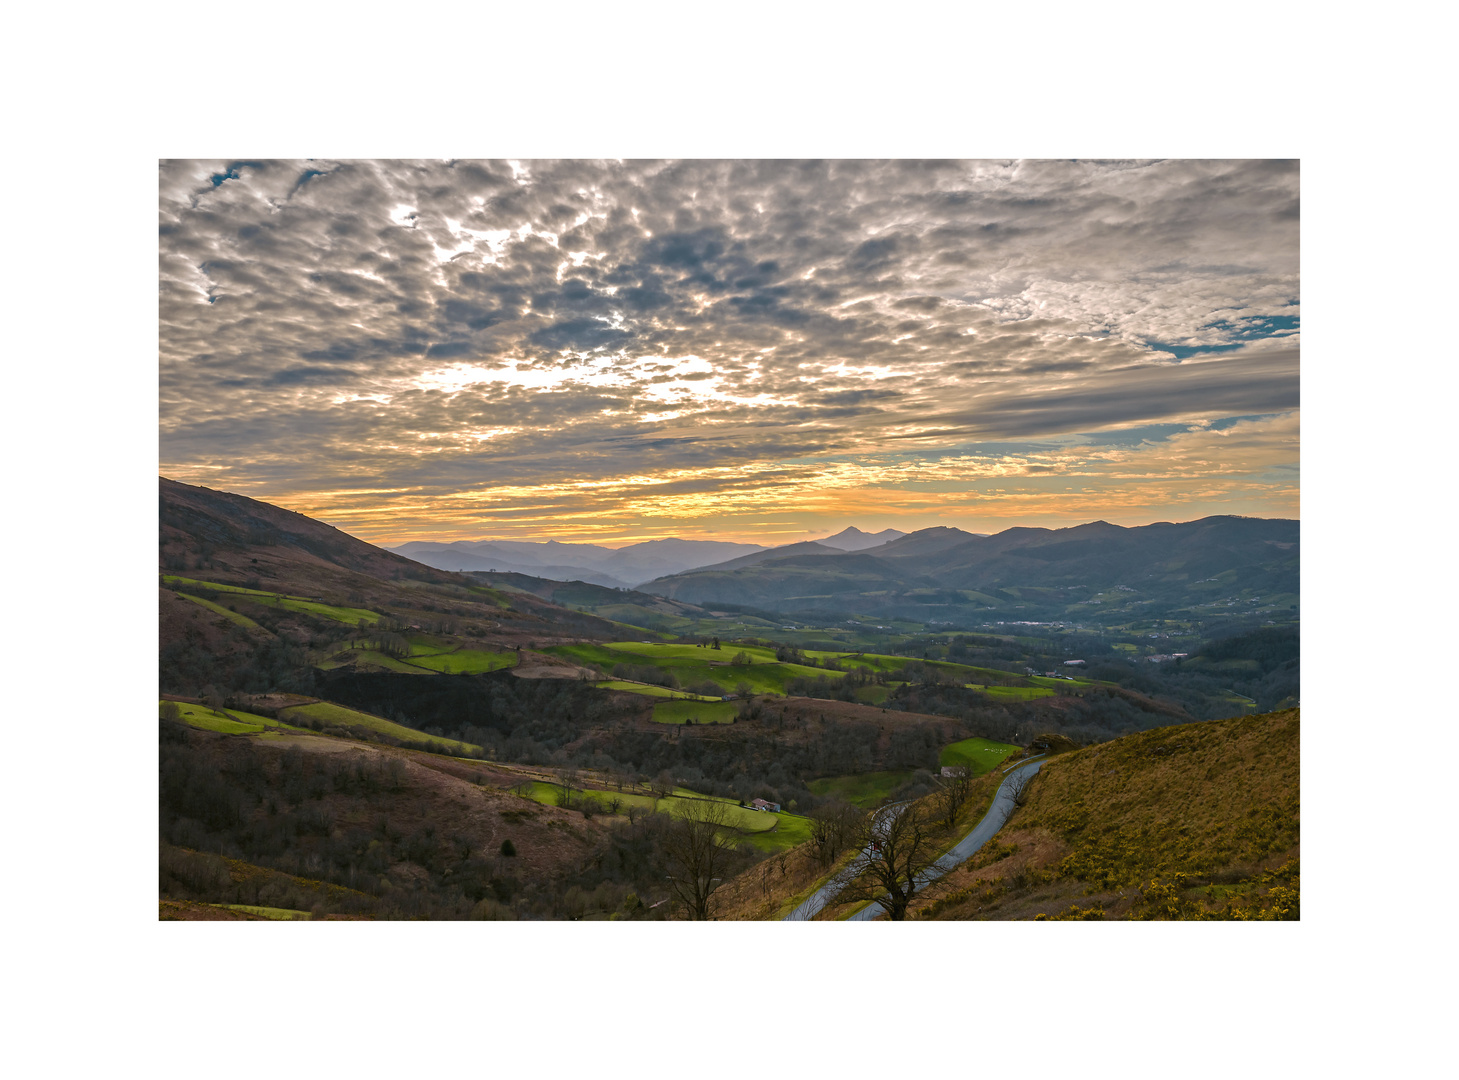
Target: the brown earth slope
pixel 1195 821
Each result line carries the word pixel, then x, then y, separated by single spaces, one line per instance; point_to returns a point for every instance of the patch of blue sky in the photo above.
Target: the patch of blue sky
pixel 1185 352
pixel 1235 333
pixel 1261 326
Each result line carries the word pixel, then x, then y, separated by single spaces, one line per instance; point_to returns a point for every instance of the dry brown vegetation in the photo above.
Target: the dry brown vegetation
pixel 773 888
pixel 389 831
pixel 1196 821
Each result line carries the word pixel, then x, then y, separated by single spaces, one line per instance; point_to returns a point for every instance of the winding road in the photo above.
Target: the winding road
pixel 963 850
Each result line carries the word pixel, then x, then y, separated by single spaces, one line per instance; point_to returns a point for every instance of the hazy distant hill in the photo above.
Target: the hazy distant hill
pixel 853 539
pixel 611 567
pixel 197 519
pixel 1040 572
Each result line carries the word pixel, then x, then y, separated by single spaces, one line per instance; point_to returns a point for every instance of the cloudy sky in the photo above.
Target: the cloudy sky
pixel 761 351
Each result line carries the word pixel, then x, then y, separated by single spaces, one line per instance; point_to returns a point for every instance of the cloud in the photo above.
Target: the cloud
pixel 445 329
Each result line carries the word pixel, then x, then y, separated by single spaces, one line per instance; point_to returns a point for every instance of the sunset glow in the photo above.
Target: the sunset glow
pixel 756 351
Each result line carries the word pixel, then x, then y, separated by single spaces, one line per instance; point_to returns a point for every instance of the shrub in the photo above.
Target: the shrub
pixel 508 848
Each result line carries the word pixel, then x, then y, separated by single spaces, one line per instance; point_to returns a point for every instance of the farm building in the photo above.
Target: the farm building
pixel 761 804
pixel 954 770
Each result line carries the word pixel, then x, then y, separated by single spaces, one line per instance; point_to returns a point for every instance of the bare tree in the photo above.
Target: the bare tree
pixel 1018 786
pixel 900 844
pixel 697 844
pixel 663 785
pixel 954 789
pixel 833 829
pixel 568 780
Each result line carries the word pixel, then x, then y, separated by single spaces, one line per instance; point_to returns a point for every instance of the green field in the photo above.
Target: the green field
pixel 767 831
pixel 326 712
pixel 266 912
pixel 348 615
pixel 371 658
pixel 790 829
pixel 694 664
pixel 430 645
pixel 702 712
pixel 650 690
pixel 1061 685
pixel 465 661
pixel 231 616
pixel 864 789
pixel 228 722
pixel 980 755
pixel 1013 693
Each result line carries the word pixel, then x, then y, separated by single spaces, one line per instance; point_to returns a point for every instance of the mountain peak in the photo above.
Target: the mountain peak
pixel 853 539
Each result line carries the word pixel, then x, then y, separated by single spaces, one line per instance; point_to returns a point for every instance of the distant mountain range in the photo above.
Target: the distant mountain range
pixel 611 567
pixel 853 539
pixel 1045 572
pixel 624 567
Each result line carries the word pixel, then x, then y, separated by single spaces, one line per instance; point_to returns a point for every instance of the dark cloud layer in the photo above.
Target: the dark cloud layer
pixel 438 331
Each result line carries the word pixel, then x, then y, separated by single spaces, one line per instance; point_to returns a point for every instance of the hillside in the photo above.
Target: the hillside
pixel 1187 822
pixel 1197 821
pixel 199 524
pixel 1200 568
pixel 611 567
pixel 345 733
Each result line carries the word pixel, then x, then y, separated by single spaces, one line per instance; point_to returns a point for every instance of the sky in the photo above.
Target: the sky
pixel 762 351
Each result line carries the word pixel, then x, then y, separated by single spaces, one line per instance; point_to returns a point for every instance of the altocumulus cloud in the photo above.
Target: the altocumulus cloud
pixel 410 348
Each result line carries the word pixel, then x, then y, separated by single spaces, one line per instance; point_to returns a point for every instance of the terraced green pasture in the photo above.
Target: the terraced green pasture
pixel 702 712
pixel 228 722
pixel 231 616
pixel 465 661
pixel 766 831
pixel 266 912
pixel 371 658
pixel 789 830
pixel 979 755
pixel 430 645
pixel 863 789
pixel 1013 693
pixel 702 655
pixel 693 664
pixel 348 615
pixel 327 712
pixel 1060 685
pixel 650 690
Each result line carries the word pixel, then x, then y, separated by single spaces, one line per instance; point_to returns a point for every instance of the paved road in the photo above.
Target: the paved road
pixel 965 848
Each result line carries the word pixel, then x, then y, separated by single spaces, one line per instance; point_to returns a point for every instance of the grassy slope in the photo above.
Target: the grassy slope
pixel 328 713
pixel 466 661
pixel 863 789
pixel 650 690
pixel 348 615
pixel 1172 822
pixel 368 659
pixel 231 616
pixel 981 755
pixel 702 712
pixel 772 890
pixel 694 664
pixel 766 831
pixel 228 722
